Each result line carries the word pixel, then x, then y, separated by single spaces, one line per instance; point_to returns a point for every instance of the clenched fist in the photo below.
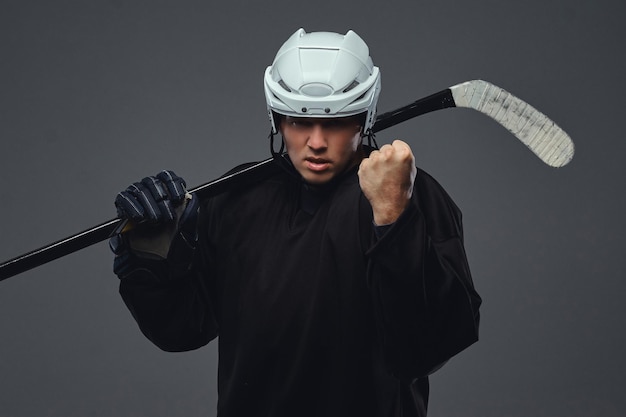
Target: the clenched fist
pixel 387 178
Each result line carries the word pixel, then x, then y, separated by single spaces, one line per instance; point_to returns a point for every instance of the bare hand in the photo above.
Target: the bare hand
pixel 386 179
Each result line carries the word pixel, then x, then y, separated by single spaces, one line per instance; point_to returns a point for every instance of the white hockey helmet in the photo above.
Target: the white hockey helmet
pixel 322 74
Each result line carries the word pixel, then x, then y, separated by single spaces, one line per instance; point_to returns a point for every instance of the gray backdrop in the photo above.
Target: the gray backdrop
pixel 95 95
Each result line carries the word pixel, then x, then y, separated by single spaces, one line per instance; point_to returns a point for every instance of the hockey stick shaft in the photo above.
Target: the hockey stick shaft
pixel 109 228
pixel 548 142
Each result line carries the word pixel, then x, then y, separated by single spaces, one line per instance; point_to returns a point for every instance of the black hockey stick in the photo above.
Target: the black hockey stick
pixel 540 134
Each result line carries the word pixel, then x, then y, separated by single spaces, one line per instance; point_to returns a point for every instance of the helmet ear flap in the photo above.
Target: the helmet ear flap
pixel 275 121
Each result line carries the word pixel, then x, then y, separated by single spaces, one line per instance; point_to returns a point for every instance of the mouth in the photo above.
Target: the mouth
pixel 317 164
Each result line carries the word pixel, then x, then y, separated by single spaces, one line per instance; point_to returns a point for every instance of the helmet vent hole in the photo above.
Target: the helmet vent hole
pixel 283 85
pixel 351 86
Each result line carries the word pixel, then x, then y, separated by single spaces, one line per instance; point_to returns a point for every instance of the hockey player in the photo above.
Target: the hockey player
pixel 334 287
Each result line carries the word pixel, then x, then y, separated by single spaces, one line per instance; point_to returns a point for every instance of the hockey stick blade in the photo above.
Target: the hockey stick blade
pixel 533 128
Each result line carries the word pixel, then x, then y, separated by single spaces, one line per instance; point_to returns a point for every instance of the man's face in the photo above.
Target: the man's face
pixel 319 148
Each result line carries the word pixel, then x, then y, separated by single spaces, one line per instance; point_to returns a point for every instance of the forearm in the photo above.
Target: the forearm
pixel 172 311
pixel 426 307
pixel 171 308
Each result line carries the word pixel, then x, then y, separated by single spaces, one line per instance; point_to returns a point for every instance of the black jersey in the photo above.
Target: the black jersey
pixel 317 313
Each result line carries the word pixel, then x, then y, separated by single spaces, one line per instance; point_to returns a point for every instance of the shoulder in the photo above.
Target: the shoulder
pixel 439 209
pixel 427 185
pixel 251 181
pixel 426 179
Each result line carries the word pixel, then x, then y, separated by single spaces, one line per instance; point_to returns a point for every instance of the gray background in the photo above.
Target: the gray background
pixel 95 95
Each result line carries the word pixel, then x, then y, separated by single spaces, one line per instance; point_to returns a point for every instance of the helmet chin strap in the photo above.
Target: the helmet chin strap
pixel 371 139
pixel 272 150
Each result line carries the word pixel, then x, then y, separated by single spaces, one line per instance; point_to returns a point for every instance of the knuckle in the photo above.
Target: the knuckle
pixel 386 148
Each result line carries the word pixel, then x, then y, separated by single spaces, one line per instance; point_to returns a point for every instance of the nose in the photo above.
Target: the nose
pixel 317 138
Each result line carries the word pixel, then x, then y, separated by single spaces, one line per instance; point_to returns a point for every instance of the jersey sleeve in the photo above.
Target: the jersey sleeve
pixel 426 307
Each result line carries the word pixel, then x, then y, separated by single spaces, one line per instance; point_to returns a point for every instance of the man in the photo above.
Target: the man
pixel 336 285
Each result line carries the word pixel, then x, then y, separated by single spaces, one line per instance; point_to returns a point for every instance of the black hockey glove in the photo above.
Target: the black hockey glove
pixel 152 200
pixel 155 202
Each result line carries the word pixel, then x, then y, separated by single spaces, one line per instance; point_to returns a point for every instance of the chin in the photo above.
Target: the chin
pixel 316 179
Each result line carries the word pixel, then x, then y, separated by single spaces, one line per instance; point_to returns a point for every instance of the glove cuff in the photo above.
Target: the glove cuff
pixel 183 245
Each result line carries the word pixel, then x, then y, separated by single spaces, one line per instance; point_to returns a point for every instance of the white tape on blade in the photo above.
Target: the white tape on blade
pixel 540 134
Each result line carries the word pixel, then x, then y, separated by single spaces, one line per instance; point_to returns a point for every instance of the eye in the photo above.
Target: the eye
pixel 340 123
pixel 299 123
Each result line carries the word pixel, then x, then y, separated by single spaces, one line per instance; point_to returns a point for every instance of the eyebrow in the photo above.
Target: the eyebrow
pixel 324 120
